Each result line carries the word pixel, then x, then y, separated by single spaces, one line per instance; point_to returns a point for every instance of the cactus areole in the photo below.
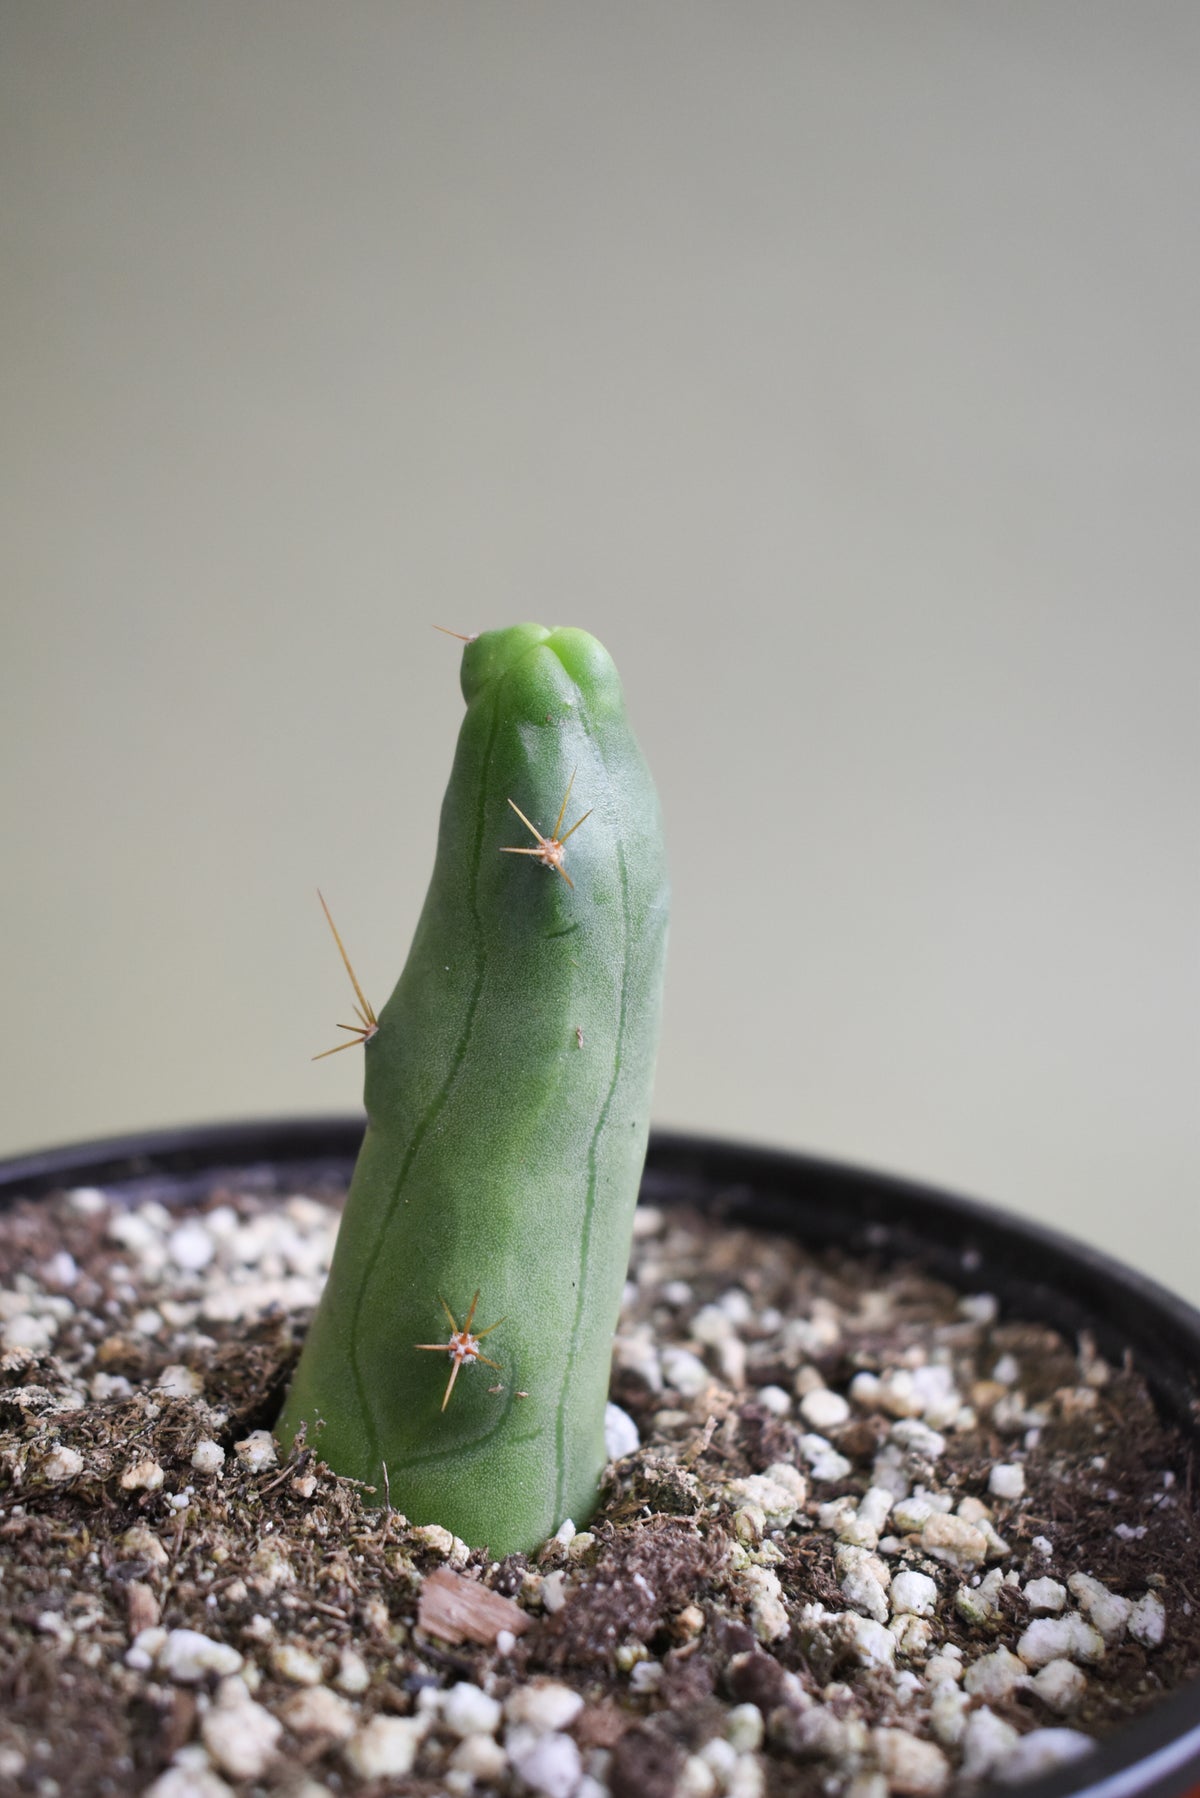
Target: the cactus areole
pixel 459 1358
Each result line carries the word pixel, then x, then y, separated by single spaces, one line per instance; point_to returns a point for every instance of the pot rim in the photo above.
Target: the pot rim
pixel 1035 1271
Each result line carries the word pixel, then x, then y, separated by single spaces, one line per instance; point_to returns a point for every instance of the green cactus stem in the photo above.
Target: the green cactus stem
pixel 508 1083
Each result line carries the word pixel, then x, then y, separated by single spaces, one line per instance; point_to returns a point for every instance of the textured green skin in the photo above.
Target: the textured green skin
pixel 502 1153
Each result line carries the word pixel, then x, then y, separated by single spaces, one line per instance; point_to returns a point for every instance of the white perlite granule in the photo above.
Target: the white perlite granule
pixel 1148 1621
pixel 910 1765
pixel 824 1410
pixel 1067 1638
pixel 1045 1597
pixel 543 1706
pixel 549 1764
pixel 1060 1685
pixel 953 1540
pixel 188 1656
pixel 386 1747
pixel 240 1735
pixel 316 1711
pixel 186 1780
pixel 1007 1480
pixel 1108 1612
pixel 257 1451
pixel 620 1433
pixel 995 1676
pixel 466 1710
pixel 914 1593
pixel 295 1663
pixel 62 1464
pixel 1041 1751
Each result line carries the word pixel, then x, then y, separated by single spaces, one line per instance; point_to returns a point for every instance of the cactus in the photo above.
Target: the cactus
pixel 507 1092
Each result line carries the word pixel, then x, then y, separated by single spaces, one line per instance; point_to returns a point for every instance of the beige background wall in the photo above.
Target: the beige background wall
pixel 836 364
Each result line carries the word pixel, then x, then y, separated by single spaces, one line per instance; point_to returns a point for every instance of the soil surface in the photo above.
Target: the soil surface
pixel 863 1535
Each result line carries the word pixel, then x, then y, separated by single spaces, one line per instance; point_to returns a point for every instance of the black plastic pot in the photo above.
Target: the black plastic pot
pixel 1035 1273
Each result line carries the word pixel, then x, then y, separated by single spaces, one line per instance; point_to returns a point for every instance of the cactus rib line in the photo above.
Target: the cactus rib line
pixel 593 1153
pixel 432 1111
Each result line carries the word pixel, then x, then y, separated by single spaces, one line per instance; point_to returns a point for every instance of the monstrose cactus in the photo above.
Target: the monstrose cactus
pixel 460 1355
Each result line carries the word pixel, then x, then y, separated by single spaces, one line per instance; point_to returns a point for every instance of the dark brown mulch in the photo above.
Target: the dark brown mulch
pixel 262 1560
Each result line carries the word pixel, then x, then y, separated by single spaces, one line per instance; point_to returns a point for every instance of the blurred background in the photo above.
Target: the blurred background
pixel 836 364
